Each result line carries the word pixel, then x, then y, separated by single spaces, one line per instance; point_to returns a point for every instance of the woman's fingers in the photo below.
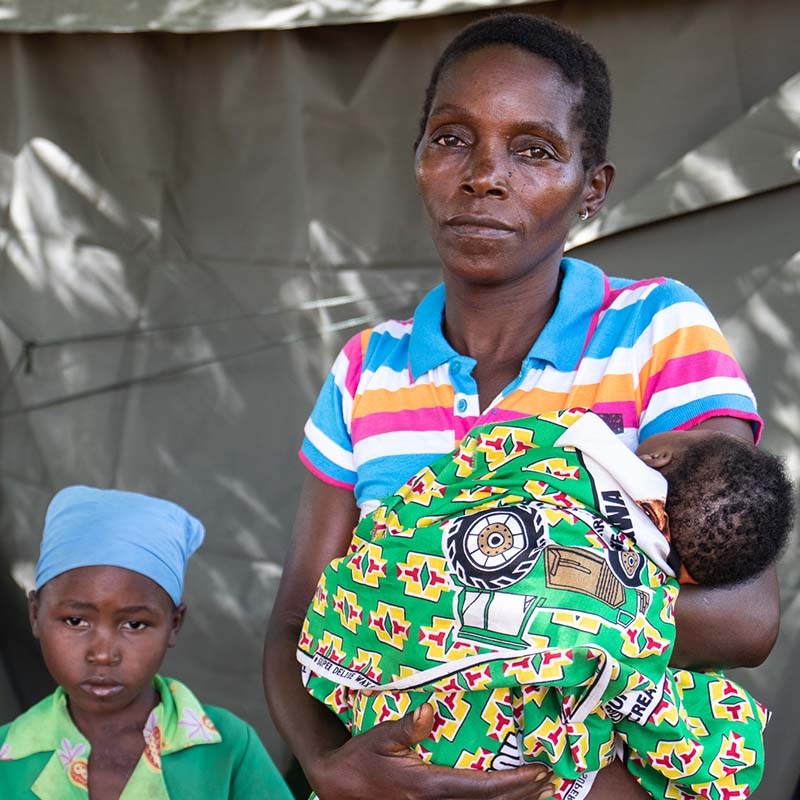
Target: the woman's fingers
pixel 420 780
pixel 381 762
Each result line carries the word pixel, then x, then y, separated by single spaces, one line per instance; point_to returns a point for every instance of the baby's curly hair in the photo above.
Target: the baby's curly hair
pixel 730 507
pixel 580 64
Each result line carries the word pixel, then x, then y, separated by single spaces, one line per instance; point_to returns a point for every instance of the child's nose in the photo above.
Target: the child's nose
pixel 103 649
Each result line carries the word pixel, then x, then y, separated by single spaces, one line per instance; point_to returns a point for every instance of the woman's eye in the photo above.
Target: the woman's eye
pixel 448 140
pixel 536 152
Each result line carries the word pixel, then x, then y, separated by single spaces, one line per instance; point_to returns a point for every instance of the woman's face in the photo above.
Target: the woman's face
pixel 499 166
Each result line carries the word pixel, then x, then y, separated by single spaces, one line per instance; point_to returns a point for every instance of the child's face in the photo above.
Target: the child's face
pixel 104 632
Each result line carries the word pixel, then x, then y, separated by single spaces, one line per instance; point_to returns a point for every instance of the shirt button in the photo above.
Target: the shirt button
pixel 455 367
pixel 461 405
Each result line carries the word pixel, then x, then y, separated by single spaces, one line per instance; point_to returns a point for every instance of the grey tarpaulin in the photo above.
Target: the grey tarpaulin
pixel 192 16
pixel 193 224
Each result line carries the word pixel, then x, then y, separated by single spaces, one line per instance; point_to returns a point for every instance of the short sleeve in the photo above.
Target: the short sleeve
pixel 256 777
pixel 687 372
pixel 327 448
pixel 237 768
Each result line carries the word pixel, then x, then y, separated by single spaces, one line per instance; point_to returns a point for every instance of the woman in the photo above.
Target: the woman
pixel 511 151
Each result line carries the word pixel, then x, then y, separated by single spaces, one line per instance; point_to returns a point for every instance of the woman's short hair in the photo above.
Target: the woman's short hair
pixel 580 64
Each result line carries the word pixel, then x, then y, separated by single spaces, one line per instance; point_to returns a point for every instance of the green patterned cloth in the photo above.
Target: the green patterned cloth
pixel 521 586
pixel 190 751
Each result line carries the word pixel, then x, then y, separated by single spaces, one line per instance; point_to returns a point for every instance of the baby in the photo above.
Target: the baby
pixel 106 608
pixel 524 586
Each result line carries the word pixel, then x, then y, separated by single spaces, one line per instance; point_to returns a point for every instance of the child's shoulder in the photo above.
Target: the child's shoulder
pixel 206 724
pixel 227 723
pixel 27 724
pixel 25 749
pixel 237 766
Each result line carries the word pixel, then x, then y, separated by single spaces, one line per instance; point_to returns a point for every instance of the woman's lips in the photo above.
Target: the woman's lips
pixel 476 225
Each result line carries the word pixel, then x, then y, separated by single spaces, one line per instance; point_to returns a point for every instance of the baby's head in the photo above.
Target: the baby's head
pixel 730 505
pixel 107 603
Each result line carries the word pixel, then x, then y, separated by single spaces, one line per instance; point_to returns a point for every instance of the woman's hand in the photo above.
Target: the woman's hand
pixel 381 763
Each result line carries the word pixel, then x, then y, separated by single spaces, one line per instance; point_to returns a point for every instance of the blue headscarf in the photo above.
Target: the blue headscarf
pixel 87 527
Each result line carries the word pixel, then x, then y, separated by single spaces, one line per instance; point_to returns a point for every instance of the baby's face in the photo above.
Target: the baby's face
pixel 104 632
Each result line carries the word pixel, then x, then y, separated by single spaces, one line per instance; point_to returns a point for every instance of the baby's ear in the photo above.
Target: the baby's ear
pixel 33 612
pixel 657 458
pixel 178 615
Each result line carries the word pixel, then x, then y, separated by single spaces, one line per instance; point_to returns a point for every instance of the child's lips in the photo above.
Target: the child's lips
pixel 102 687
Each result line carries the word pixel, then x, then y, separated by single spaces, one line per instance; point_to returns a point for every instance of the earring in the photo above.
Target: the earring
pixel 584 215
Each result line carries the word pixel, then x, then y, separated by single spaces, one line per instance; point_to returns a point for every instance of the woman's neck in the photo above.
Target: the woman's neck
pixel 499 324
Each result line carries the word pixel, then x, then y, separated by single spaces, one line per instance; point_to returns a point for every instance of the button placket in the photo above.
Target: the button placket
pixel 464 386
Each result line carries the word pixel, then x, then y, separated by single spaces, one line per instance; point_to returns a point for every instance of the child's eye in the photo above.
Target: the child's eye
pixel 135 625
pixel 74 622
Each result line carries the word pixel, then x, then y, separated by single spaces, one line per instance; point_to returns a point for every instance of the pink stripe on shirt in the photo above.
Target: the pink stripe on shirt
pixel 355 357
pixel 688 369
pixel 323 476
pixel 417 420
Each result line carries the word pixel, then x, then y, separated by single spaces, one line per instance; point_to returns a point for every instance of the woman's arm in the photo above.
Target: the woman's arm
pixel 325 519
pixel 380 762
pixel 734 626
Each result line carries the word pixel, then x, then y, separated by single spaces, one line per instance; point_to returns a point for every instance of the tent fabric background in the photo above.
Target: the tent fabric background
pixel 191 226
pixel 193 16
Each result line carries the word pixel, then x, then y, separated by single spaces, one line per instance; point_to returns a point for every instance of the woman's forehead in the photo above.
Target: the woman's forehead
pixel 495 76
pixel 504 61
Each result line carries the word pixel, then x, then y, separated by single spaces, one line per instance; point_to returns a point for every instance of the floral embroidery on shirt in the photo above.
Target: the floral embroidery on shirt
pixel 78 773
pixel 68 752
pixel 197 727
pixel 153 742
pixel 5 752
pixel 77 768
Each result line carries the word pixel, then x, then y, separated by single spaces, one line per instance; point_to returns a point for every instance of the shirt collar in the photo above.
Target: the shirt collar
pixel 176 723
pixel 561 342
pixel 428 347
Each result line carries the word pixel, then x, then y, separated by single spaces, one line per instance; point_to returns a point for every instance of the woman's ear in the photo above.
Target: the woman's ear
pixel 33 612
pixel 178 615
pixel 598 184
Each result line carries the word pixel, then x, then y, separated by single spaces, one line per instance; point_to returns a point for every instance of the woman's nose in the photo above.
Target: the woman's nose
pixel 486 173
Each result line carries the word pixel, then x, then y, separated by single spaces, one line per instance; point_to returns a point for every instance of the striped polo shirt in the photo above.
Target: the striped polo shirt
pixel 647 356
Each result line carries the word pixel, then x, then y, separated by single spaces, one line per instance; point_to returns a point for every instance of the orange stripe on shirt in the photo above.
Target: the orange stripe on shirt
pixel 405 399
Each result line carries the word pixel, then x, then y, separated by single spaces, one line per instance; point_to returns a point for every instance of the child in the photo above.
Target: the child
pixel 524 586
pixel 106 608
